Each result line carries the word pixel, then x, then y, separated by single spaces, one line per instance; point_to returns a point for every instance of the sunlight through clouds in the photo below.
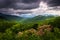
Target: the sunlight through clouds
pixel 44 9
pixel 41 10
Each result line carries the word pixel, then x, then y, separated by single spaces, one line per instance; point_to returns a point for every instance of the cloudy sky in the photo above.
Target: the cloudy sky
pixel 30 7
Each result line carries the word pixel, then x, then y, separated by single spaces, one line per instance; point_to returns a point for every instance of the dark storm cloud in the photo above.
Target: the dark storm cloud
pixel 26 4
pixel 52 3
pixel 5 3
pixel 29 1
pixel 19 4
pixel 31 4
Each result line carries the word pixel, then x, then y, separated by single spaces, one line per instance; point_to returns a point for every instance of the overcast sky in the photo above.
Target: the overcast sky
pixel 33 7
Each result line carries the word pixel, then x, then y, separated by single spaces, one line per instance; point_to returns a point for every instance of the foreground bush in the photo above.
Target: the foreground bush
pixel 22 27
pixel 55 22
pixel 5 25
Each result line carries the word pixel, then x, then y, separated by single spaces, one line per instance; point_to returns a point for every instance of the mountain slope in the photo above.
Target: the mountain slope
pixel 10 17
pixel 37 18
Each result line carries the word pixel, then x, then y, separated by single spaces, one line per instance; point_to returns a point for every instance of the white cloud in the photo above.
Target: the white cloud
pixel 44 9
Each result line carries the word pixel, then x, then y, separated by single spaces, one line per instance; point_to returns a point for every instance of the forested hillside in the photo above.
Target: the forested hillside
pixel 46 29
pixel 10 17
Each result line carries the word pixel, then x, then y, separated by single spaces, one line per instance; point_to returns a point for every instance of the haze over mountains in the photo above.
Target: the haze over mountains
pixel 9 17
pixel 25 18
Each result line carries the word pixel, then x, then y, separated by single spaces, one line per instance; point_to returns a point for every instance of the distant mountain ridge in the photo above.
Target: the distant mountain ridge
pixel 24 20
pixel 38 18
pixel 9 17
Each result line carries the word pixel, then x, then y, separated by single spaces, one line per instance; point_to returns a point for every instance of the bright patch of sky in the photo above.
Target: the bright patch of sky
pixel 27 15
pixel 44 9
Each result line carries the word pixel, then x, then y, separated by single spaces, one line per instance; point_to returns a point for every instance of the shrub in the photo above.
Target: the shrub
pixel 5 25
pixel 55 22
pixel 21 27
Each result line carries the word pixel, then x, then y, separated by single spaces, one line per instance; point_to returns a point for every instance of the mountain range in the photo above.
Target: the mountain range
pixel 24 20
pixel 9 17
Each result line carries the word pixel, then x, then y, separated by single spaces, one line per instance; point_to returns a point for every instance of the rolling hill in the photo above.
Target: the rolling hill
pixel 10 17
pixel 37 19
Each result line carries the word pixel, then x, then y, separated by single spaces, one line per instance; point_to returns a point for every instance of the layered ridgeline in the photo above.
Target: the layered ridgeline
pixel 37 18
pixel 10 17
pixel 23 19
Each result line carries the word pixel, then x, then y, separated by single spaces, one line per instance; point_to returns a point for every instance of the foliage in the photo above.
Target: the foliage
pixel 55 22
pixel 11 30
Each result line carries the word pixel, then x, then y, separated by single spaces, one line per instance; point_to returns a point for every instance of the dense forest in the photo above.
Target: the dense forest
pixel 37 28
